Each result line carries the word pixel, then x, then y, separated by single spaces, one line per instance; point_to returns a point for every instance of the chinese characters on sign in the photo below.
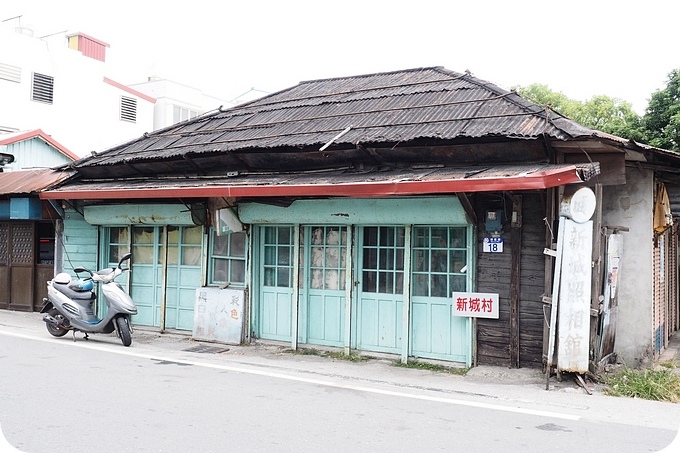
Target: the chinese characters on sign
pixel 218 315
pixel 476 305
pixel 574 298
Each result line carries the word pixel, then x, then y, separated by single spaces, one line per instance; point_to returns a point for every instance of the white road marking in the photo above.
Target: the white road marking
pixel 133 353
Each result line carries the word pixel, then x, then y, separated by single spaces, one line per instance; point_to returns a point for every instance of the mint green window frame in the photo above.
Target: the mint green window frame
pixel 228 259
pixel 278 251
pixel 440 260
pixel 328 250
pixel 118 243
pixel 383 259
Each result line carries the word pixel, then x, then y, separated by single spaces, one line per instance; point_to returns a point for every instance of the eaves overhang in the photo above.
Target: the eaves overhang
pixel 30 181
pixel 371 184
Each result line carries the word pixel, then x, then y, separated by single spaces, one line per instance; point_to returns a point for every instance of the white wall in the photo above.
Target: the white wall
pixel 84 115
pixel 631 205
pixel 169 93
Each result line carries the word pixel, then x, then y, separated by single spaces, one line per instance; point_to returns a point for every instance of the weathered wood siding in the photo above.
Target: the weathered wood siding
pixel 665 289
pixel 673 281
pixel 79 242
pixel 493 335
pixel 531 316
pixel 493 275
pixel 659 305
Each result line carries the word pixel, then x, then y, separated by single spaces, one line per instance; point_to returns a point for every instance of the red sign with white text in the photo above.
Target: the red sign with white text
pixel 475 305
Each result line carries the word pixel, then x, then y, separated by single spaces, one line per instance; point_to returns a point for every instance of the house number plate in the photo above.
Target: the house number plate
pixel 493 245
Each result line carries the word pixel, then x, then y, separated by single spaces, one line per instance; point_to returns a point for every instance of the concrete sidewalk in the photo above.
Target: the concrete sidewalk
pixel 280 355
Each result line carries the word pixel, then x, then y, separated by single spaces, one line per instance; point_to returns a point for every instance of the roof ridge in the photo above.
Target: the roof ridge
pixel 451 76
pixel 372 74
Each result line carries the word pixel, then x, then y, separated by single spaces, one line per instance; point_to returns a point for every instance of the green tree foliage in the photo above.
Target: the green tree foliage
pixel 603 113
pixel 542 95
pixel 662 117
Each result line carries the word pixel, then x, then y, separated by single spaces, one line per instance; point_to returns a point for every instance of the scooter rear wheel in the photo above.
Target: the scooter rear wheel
pixel 55 330
pixel 124 330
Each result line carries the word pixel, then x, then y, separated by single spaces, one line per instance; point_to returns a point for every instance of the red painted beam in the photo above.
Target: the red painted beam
pixel 532 181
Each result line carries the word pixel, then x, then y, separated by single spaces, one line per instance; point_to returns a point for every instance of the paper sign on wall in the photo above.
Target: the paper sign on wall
pixel 218 315
pixel 475 305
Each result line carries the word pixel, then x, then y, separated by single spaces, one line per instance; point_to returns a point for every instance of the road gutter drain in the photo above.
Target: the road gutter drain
pixel 204 349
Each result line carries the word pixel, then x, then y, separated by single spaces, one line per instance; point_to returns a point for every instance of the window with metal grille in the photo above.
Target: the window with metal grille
pixel 128 109
pixel 43 88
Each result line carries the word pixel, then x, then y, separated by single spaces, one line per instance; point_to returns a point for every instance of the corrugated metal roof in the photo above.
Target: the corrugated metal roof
pixel 30 181
pixel 423 103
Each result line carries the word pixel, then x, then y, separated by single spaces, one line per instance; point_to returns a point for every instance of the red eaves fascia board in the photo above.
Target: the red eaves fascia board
pixel 533 181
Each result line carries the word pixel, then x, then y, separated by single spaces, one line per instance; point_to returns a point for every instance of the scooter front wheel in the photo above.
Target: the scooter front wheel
pixel 124 330
pixel 55 330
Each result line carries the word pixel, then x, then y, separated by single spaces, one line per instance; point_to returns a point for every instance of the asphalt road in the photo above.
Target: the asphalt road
pixel 96 395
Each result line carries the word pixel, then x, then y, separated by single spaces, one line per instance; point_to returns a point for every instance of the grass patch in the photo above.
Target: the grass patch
pixel 657 385
pixel 328 354
pixel 431 367
pixel 670 365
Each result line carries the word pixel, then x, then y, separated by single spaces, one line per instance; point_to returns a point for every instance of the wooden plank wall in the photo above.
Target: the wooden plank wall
pixel 673 280
pixel 531 316
pixel 658 303
pixel 79 242
pixel 493 275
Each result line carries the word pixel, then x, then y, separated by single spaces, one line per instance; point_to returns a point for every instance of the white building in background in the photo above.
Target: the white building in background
pixel 176 102
pixel 60 85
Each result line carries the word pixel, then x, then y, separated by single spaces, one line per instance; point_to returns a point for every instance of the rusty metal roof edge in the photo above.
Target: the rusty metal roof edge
pixel 31 181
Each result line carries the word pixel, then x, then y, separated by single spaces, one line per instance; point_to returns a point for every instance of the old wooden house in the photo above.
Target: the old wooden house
pixel 27 235
pixel 346 212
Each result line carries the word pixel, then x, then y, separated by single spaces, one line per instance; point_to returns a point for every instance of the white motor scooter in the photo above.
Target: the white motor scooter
pixel 69 304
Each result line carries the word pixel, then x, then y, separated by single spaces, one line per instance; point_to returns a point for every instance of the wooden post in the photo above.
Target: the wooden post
pixel 349 288
pixel 296 287
pixel 406 305
pixel 550 244
pixel 597 278
pixel 515 277
pixel 164 279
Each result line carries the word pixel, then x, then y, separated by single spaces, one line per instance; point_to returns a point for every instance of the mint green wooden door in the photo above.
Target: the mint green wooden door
pixel 380 289
pixel 439 266
pixel 322 294
pixel 183 275
pixel 144 276
pixel 155 285
pixel 276 283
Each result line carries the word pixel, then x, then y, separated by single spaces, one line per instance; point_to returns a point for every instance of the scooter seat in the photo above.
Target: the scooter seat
pixel 74 295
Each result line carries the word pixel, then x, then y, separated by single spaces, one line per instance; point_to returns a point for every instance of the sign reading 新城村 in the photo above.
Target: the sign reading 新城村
pixel 476 305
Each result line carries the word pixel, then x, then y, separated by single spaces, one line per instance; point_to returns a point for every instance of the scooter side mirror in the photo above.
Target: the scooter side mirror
pixel 124 258
pixel 79 269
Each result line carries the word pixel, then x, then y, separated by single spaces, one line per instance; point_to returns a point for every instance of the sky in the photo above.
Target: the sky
pixel 582 48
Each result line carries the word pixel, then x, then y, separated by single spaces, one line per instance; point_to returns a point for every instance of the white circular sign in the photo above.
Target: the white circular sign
pixel 579 206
